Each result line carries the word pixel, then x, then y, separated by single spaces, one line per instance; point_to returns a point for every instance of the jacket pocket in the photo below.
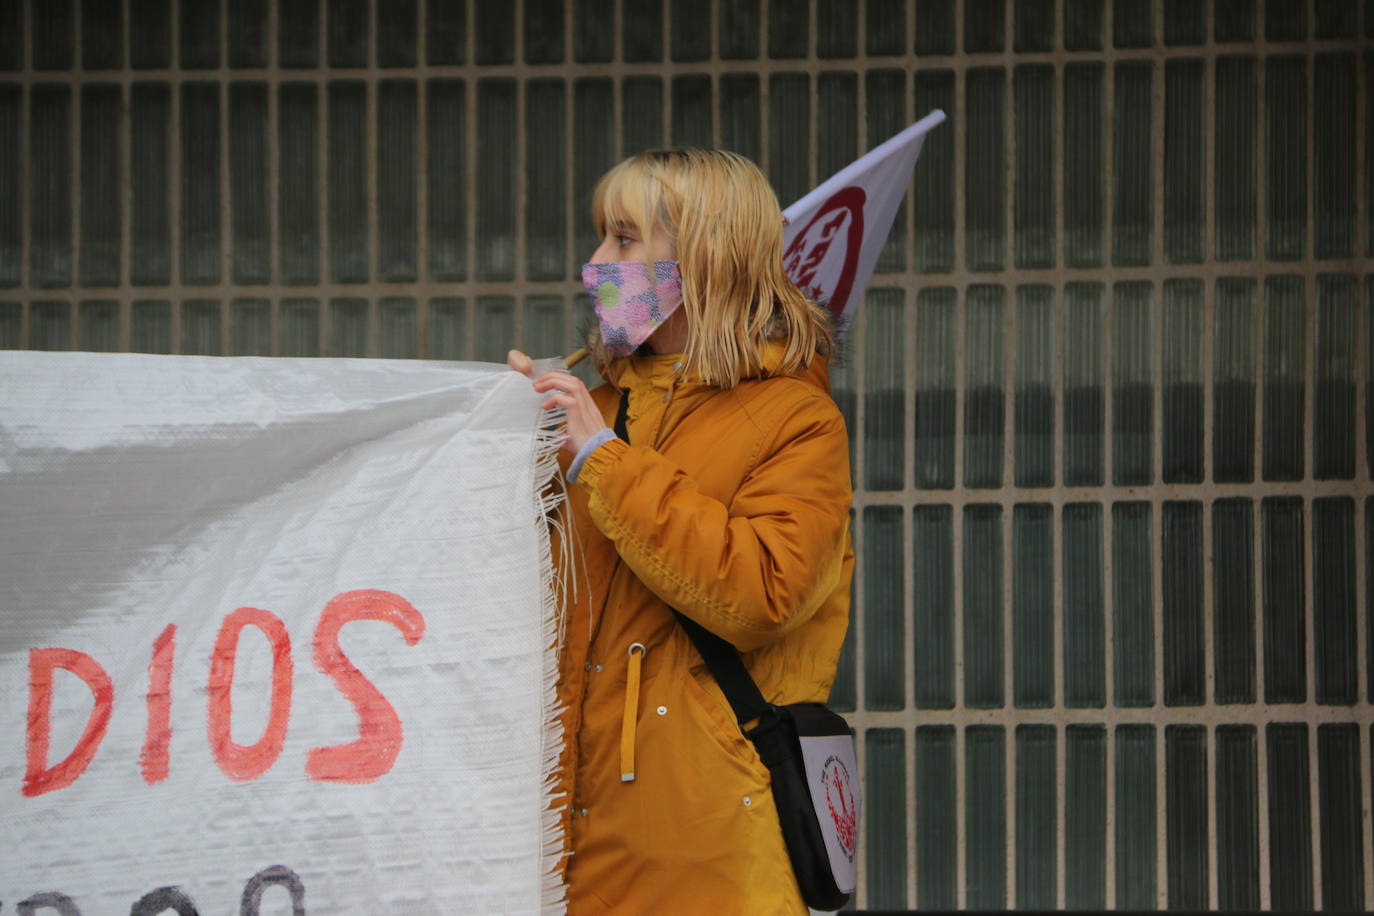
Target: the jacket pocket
pixel 718 720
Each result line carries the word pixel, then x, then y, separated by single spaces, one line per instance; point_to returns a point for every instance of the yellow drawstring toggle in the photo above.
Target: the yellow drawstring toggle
pixel 627 724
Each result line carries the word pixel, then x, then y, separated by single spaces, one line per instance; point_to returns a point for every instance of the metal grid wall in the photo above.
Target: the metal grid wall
pixel 1109 394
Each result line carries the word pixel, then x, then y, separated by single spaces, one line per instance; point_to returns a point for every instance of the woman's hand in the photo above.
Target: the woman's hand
pixel 567 391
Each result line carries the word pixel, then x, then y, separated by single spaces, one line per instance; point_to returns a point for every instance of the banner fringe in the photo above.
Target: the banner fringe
pixel 550 495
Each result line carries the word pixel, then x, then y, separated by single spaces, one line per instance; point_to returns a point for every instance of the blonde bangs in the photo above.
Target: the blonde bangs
pixel 627 197
pixel 725 221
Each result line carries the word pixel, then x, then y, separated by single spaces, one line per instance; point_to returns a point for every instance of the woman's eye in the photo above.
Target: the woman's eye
pixel 623 240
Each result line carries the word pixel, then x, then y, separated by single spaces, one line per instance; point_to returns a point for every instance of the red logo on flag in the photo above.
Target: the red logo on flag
pixel 841 218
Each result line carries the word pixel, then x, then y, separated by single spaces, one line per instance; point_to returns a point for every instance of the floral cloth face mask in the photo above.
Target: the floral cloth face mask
pixel 629 304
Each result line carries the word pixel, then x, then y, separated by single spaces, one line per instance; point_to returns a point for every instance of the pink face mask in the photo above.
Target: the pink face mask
pixel 629 304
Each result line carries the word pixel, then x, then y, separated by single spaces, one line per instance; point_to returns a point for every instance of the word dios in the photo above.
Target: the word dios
pixel 174 899
pixel 364 760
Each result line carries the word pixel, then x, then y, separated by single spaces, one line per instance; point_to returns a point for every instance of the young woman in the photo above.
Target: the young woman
pixel 729 502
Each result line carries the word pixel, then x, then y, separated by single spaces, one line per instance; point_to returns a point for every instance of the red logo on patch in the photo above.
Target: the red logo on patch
pixel 844 807
pixel 839 218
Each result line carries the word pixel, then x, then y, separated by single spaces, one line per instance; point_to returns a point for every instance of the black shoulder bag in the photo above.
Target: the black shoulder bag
pixel 809 752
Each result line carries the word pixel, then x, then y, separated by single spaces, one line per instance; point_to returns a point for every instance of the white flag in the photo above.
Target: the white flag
pixel 835 233
pixel 274 633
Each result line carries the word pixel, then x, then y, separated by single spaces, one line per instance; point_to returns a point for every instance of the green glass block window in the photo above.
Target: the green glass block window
pixel 933 612
pixel 985 814
pixel 1033 605
pixel 884 644
pixel 1185 769
pixel 1137 811
pixel 251 327
pixel 885 830
pixel 1036 804
pixel 884 431
pixel 982 582
pixel 1083 608
pixel 937 820
pixel 1238 866
pixel 98 325
pixel 984 385
pixel 1133 607
pixel 1035 389
pixel 1085 817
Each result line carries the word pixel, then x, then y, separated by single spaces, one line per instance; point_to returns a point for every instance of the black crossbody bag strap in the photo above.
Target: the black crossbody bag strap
pixel 722 659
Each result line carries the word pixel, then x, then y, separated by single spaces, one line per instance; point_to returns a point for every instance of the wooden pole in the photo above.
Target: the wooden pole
pixel 522 363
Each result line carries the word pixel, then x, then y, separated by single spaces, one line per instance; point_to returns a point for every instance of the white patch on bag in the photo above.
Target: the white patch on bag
pixel 832 775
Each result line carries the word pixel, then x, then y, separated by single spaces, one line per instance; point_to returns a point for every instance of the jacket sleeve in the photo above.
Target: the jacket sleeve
pixel 749 571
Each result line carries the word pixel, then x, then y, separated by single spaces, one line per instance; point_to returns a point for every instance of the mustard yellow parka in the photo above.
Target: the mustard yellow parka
pixel 731 506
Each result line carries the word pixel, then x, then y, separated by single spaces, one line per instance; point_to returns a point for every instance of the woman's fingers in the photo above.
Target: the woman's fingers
pixel 560 380
pixel 582 415
pixel 520 362
pixel 568 392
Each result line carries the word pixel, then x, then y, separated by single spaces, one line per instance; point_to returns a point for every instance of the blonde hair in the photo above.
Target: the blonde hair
pixel 725 222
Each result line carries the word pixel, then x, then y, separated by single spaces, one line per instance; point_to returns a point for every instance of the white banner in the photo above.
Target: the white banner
pixel 276 636
pixel 835 233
